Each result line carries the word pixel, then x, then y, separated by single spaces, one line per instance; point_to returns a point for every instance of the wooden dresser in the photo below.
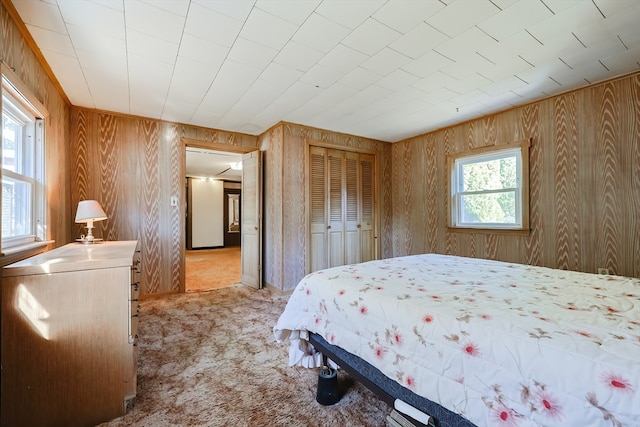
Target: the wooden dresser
pixel 69 335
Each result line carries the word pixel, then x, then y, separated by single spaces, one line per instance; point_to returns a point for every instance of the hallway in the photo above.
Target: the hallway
pixel 212 268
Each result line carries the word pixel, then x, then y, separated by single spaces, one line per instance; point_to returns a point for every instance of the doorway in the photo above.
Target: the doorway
pixel 212 262
pixel 215 268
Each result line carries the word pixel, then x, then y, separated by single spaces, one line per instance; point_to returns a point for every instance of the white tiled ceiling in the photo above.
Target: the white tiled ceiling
pixel 383 69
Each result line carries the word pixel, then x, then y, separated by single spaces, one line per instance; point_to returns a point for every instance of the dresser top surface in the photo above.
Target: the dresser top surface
pixel 74 257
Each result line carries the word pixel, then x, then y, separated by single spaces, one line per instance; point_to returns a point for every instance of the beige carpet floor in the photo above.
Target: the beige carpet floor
pixel 212 268
pixel 210 359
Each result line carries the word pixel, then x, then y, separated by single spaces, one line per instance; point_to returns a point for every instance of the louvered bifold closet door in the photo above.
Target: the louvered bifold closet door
pixel 351 212
pixel 342 207
pixel 366 220
pixel 336 208
pixel 318 206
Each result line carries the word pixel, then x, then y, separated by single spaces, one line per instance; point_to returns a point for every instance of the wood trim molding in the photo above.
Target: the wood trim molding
pixel 14 85
pixel 209 145
pixel 329 145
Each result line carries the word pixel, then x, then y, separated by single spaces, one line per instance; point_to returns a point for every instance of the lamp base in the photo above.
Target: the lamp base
pixel 89 242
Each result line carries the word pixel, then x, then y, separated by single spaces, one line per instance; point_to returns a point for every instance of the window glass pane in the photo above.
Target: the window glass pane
pixel 12 133
pixel 496 208
pixel 17 139
pixel 494 174
pixel 16 207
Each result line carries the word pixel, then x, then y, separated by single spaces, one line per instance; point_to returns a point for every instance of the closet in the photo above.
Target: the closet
pixel 341 197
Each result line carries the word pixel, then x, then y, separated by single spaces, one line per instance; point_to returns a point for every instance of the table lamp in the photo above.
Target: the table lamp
pixel 89 211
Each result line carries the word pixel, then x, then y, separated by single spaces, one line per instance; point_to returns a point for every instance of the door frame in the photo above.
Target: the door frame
pixel 208 145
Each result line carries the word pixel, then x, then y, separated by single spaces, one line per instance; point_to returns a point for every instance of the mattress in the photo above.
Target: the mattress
pixel 501 344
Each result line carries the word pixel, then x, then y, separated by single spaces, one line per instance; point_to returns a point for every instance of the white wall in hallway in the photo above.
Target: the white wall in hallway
pixel 207 213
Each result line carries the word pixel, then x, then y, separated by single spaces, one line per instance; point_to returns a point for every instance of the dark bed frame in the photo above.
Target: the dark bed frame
pixel 386 389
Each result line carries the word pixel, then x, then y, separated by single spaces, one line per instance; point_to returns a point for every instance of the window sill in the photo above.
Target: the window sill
pixel 503 231
pixel 20 252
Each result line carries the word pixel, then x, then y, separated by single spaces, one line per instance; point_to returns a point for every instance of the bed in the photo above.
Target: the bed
pixel 484 343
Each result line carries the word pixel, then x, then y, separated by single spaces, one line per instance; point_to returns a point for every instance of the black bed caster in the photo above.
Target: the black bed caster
pixel 328 391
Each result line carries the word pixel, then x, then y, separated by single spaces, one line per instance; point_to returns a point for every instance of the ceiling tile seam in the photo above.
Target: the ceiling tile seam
pixel 445 56
pixel 555 81
pixel 226 58
pixel 273 61
pixel 578 38
pixel 521 79
pixel 485 58
pixel 493 3
pixel 436 29
pixel 175 63
pixel 534 37
pixel 565 63
pixel 480 28
pixel 325 53
pixel 360 24
pixel 599 10
pixel 77 58
pixel 605 67
pixel 126 49
pixel 623 43
pixel 547 6
pixel 527 61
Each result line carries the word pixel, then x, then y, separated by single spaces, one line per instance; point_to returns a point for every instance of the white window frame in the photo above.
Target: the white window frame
pixel 27 105
pixel 456 162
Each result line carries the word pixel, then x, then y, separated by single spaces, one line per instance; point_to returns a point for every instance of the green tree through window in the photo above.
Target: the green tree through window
pixel 487 188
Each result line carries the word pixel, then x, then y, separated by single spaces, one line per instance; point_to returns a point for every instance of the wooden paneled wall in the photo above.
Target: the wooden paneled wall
pixel 584 183
pixel 133 166
pixel 16 54
pixel 284 208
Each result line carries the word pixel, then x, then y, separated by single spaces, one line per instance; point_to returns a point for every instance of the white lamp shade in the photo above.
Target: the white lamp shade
pixel 89 211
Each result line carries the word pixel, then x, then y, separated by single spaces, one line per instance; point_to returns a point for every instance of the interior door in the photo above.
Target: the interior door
pixel 251 220
pixel 318 211
pixel 366 219
pixel 352 209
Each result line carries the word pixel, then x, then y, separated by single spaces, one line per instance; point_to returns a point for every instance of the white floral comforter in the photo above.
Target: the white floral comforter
pixel 501 344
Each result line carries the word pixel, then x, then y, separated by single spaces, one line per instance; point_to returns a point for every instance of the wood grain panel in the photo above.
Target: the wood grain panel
pixel 533 242
pixel 607 176
pixel 450 238
pixel 584 181
pixel 385 210
pixel 566 203
pixel 109 169
pixel 79 149
pixel 272 143
pixel 431 192
pixel 147 133
pixel 632 228
pixel 491 246
pixel 407 199
pixel 397 171
pixel 176 188
pixel 546 169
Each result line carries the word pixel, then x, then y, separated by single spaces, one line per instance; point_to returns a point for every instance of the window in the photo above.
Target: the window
pixel 22 169
pixel 490 188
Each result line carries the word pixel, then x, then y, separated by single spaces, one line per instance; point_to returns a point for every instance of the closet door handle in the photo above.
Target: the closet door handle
pixel 328 227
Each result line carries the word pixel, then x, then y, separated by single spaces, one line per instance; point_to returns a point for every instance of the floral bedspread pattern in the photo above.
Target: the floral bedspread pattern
pixel 501 344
